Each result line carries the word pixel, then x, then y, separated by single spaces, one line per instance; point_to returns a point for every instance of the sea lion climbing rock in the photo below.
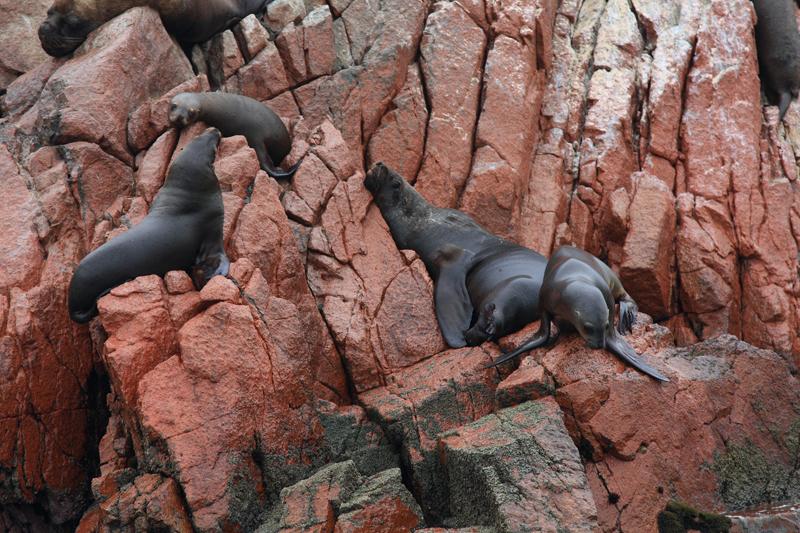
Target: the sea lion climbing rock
pixel 579 291
pixel 182 231
pixel 485 286
pixel 68 22
pixel 778 43
pixel 234 114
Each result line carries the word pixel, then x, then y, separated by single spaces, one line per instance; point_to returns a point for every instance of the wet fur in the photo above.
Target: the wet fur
pixel 458 254
pixel 778 42
pixel 580 292
pixel 182 231
pixel 234 114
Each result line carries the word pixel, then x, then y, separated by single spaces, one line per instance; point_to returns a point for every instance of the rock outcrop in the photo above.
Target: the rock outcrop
pixel 311 390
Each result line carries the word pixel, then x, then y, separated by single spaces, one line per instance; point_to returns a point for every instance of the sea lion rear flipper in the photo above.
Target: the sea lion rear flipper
pixel 539 339
pixel 208 265
pixel 783 104
pixel 620 347
pixel 453 304
pixel 268 166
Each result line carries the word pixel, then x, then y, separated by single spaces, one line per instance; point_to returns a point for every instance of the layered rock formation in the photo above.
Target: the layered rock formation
pixel 312 390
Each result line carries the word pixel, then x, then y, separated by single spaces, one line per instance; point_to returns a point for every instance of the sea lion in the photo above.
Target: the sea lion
pixel 68 22
pixel 580 291
pixel 234 114
pixel 778 43
pixel 182 231
pixel 471 268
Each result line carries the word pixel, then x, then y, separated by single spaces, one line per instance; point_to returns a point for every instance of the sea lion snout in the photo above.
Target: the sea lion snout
pixel 61 33
pixel 376 177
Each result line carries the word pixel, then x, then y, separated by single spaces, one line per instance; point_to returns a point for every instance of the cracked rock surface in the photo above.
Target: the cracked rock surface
pixel 312 390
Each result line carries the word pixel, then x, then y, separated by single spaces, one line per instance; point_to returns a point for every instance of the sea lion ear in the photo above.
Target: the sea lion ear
pixel 453 304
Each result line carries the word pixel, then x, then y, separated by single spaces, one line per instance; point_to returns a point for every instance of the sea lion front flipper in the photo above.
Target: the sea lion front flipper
pixel 539 339
pixel 453 304
pixel 620 347
pixel 627 314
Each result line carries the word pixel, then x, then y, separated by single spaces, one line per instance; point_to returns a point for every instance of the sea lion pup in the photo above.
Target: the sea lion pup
pixel 68 22
pixel 778 43
pixel 580 291
pixel 471 268
pixel 235 114
pixel 182 231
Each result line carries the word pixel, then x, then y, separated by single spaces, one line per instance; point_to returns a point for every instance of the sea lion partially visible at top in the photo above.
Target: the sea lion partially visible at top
pixel 234 114
pixel 778 43
pixel 190 21
pixel 485 287
pixel 580 291
pixel 182 231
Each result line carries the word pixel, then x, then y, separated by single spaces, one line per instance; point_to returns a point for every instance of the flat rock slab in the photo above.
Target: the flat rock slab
pixel 519 471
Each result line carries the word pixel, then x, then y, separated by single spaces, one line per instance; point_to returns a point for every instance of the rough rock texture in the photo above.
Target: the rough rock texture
pixel 18 39
pixel 631 128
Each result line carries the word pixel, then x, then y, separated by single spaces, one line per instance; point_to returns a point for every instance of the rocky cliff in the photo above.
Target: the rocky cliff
pixel 312 390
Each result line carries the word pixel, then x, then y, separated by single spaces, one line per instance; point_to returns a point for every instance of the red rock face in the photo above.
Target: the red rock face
pixel 312 389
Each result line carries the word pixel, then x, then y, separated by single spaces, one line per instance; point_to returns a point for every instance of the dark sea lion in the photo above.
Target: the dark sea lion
pixel 778 43
pixel 579 291
pixel 68 22
pixel 234 114
pixel 472 269
pixel 182 231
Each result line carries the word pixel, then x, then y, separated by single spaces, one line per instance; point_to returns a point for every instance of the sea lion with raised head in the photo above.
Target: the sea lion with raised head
pixel 778 43
pixel 182 231
pixel 68 22
pixel 579 291
pixel 234 114
pixel 485 287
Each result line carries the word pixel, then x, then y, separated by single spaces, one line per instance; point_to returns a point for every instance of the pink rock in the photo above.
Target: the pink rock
pixel 452 51
pixel 529 382
pixel 400 139
pixel 178 282
pixel 646 270
pixel 476 459
pixel 251 36
pixel 20 244
pixel 89 98
pixel 261 78
pixel 236 165
pixel 152 169
pixel 224 57
pixel 220 289
pixel 18 39
pixel 318 42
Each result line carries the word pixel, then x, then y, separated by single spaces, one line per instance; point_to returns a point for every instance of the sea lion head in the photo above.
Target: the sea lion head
pixel 385 185
pixel 589 313
pixel 65 27
pixel 184 110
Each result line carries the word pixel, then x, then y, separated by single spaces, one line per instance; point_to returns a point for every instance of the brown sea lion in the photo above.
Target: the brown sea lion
pixel 182 231
pixel 234 114
pixel 485 287
pixel 778 43
pixel 190 21
pixel 579 291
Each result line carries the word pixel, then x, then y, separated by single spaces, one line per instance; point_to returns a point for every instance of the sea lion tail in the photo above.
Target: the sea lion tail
pixel 277 173
pixel 620 347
